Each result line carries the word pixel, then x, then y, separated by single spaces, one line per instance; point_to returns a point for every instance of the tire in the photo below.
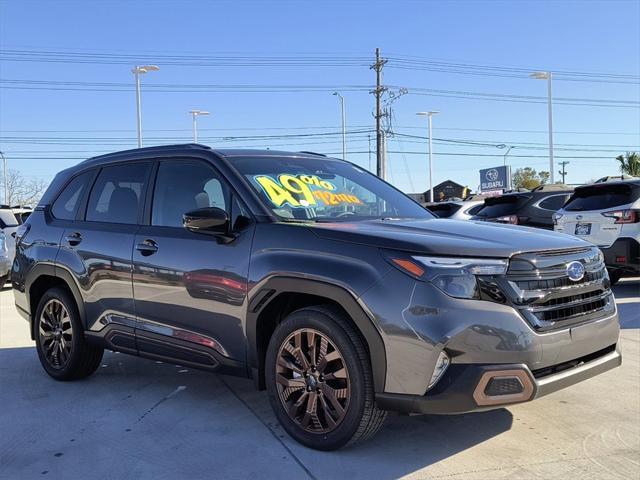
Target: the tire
pixel 62 349
pixel 349 380
pixel 614 276
pixel 3 280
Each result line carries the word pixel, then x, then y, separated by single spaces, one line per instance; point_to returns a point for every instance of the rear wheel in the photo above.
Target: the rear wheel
pixel 320 381
pixel 60 342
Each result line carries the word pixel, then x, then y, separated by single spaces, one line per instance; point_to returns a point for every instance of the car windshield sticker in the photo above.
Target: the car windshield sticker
pixel 304 191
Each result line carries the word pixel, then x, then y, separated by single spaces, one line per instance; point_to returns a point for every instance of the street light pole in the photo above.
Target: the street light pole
pixel 6 184
pixel 137 71
pixel 429 115
pixel 194 115
pixel 344 131
pixel 547 76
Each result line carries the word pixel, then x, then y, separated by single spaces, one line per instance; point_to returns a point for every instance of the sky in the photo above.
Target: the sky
pixel 266 71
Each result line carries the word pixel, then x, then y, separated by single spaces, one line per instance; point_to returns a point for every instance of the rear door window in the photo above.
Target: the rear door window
pixel 66 205
pixel 117 194
pixel 602 197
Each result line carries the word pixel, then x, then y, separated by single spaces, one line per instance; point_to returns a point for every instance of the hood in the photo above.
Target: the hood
pixel 447 237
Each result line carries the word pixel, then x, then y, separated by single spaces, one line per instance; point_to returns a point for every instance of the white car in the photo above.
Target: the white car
pixel 5 263
pixel 8 225
pixel 607 215
pixel 456 209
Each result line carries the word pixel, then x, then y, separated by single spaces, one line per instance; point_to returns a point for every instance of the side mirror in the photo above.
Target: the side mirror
pixel 206 220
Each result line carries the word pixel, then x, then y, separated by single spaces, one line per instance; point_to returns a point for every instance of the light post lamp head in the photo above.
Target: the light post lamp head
pixel 428 114
pixel 196 113
pixel 145 68
pixel 540 75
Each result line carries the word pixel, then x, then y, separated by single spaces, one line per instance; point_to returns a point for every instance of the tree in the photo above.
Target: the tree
pixel 528 178
pixel 629 163
pixel 22 191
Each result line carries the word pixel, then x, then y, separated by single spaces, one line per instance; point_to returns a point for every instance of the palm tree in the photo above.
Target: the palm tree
pixel 629 163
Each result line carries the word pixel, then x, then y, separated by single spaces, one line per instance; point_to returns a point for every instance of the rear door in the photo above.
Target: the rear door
pixel 97 248
pixel 591 212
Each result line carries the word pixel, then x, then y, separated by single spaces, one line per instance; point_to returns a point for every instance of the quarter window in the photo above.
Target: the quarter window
pixel 553 202
pixel 66 205
pixel 182 186
pixel 115 197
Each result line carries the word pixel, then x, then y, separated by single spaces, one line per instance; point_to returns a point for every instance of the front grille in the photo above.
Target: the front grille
pixel 538 285
pixel 559 282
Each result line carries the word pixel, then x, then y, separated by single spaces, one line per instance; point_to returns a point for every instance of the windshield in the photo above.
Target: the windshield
pixel 500 206
pixel 324 189
pixel 601 197
pixel 444 210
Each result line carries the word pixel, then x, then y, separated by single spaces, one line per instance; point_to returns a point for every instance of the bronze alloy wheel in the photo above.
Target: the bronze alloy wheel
pixel 56 334
pixel 312 381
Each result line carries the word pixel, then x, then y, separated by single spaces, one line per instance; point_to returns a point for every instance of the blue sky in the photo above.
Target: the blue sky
pixel 45 130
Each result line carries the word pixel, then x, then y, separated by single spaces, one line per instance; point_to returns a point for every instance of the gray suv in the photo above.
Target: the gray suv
pixel 332 290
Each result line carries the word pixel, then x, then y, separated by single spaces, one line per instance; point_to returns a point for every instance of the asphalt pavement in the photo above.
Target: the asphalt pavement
pixel 140 419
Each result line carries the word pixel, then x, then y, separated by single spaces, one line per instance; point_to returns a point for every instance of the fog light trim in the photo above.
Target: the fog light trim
pixel 483 399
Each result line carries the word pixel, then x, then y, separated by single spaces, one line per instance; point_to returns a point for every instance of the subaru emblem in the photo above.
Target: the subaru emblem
pixel 575 271
pixel 578 217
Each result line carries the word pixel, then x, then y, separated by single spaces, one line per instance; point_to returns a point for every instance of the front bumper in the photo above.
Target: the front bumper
pixel 463 387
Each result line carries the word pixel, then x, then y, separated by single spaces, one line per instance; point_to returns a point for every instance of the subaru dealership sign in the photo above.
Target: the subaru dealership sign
pixel 495 179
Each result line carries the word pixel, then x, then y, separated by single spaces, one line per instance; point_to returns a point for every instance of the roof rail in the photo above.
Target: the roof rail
pixel 312 153
pixel 152 149
pixel 552 187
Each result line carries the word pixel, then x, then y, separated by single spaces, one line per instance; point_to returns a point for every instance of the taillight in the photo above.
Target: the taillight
pixel 512 219
pixel 623 216
pixel 556 217
pixel 21 231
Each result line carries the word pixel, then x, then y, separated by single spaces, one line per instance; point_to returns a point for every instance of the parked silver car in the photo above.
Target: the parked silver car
pixel 5 263
pixel 457 209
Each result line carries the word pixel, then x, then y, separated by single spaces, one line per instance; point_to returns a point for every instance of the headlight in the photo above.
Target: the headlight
pixel 3 246
pixel 457 276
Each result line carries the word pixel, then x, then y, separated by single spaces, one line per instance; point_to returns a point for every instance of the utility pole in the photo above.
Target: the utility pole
pixel 379 90
pixel 369 137
pixel 563 172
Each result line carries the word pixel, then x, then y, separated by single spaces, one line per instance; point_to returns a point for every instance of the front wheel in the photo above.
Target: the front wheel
pixel 62 349
pixel 319 380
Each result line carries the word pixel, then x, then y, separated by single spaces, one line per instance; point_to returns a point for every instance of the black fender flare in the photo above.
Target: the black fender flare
pixel 274 286
pixel 51 270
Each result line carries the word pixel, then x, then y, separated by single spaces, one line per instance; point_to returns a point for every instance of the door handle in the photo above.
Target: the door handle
pixel 73 239
pixel 148 247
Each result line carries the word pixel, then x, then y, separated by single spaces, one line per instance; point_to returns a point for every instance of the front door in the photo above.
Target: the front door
pixel 190 289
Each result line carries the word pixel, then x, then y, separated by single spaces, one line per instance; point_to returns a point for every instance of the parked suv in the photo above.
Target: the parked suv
pixel 330 288
pixel 532 209
pixel 457 209
pixel 607 215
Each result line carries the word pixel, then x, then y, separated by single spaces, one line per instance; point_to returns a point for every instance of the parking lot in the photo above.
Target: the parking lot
pixel 137 418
